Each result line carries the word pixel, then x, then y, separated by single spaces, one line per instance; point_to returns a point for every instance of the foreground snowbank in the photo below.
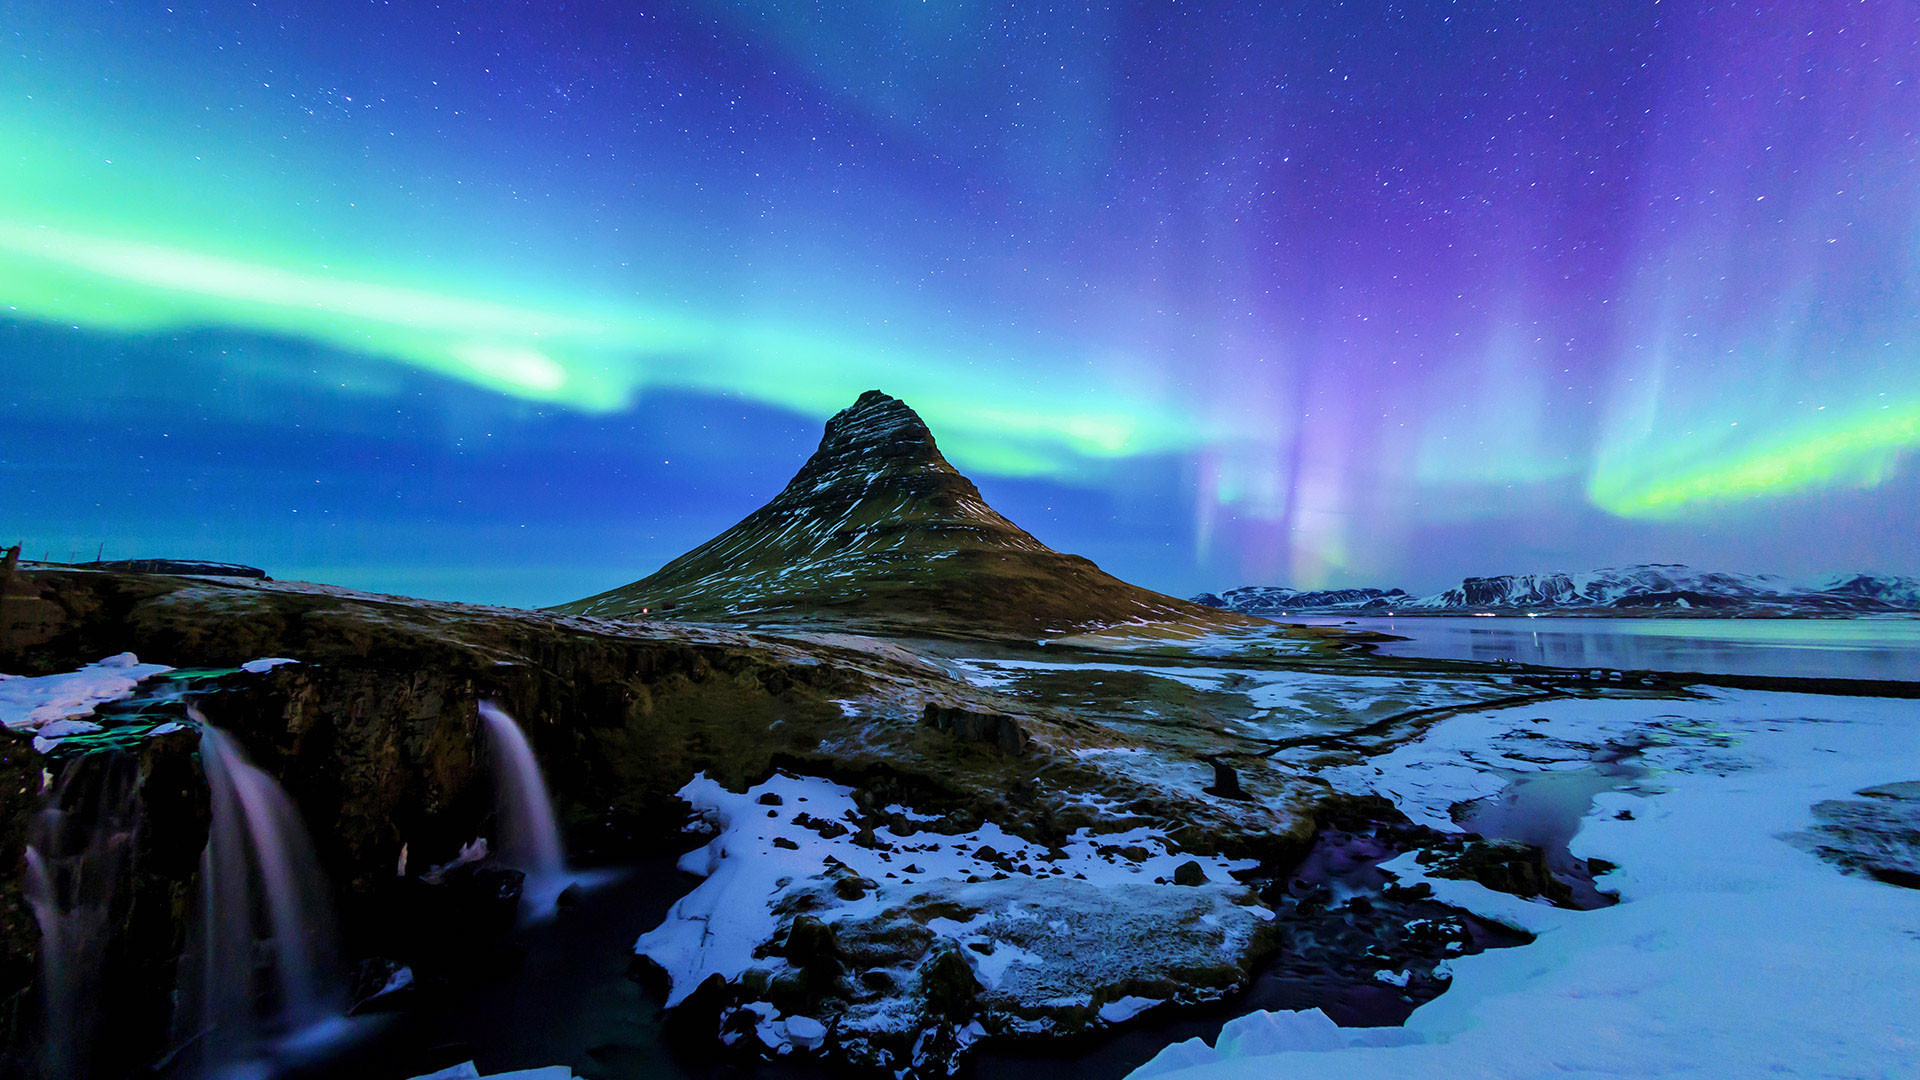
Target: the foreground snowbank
pixel 898 933
pixel 1734 952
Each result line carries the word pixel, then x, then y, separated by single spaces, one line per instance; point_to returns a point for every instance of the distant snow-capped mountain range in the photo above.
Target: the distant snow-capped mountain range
pixel 1646 588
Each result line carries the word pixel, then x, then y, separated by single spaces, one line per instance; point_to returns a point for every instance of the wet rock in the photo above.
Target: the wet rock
pixel 997 730
pixel 19 935
pixel 948 986
pixel 1189 873
pixel 1501 865
pixel 380 984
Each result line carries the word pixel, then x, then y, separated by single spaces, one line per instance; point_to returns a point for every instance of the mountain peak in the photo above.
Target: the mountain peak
pixel 876 436
pixel 879 525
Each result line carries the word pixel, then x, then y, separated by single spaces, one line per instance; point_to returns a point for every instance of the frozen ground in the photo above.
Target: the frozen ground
pixel 1078 935
pixel 54 706
pixel 1734 952
pixel 1281 702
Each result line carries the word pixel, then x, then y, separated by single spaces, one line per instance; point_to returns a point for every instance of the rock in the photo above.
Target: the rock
pixel 1226 782
pixel 770 799
pixel 828 830
pixel 1501 865
pixel 1189 873
pixel 948 986
pixel 1877 835
pixel 853 887
pixel 810 943
pixel 998 730
pixel 380 984
pixel 783 842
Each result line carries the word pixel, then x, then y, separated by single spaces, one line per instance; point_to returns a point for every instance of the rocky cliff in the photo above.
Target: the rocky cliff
pixel 373 733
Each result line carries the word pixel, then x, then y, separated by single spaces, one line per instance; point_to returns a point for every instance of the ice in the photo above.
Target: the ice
pixel 1732 953
pixel 265 664
pixel 467 1070
pixel 29 703
pixel 806 1032
pixel 1126 1008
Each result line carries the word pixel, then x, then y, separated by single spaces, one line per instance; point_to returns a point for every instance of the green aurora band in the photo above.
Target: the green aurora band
pixel 592 362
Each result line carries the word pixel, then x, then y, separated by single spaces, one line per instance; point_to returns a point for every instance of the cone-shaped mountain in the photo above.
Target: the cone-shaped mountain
pixel 878 526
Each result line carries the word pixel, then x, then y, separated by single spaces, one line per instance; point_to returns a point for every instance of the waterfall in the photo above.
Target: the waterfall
pixel 259 971
pixel 529 840
pixel 80 849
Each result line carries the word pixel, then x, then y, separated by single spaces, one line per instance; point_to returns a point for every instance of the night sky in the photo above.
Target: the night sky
pixel 513 302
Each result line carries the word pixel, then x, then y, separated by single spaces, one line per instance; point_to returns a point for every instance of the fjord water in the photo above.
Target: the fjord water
pixel 259 978
pixel 1873 648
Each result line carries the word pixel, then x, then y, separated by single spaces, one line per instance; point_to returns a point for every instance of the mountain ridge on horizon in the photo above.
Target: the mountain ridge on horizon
pixel 878 526
pixel 1636 588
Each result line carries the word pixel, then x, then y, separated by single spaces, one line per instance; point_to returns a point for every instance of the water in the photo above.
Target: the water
pixel 529 839
pixel 80 850
pixel 566 1000
pixel 259 980
pixel 1812 648
pixel 1546 809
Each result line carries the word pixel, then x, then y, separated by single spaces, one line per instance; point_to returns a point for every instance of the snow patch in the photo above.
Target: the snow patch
pixel 1731 953
pixel 762 852
pixel 32 703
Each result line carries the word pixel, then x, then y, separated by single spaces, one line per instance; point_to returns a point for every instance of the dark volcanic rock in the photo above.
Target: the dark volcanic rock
pixel 998 730
pixel 156 793
pixel 1877 834
pixel 1226 782
pixel 1501 865
pixel 878 526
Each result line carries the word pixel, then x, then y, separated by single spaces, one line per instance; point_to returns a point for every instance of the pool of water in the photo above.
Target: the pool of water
pixel 560 994
pixel 1815 648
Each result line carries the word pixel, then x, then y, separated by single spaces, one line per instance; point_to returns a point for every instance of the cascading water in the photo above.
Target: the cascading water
pixel 259 973
pixel 80 850
pixel 529 840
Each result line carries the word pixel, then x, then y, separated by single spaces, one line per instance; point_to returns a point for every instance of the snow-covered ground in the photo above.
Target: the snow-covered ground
pixel 1733 952
pixel 53 706
pixel 1286 702
pixel 1051 929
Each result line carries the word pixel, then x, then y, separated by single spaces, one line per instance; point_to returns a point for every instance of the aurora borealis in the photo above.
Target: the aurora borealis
pixel 514 302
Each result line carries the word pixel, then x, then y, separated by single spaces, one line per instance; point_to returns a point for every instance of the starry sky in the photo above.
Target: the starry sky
pixel 512 302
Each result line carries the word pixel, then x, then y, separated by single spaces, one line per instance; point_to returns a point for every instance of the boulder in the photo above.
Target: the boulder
pixel 997 730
